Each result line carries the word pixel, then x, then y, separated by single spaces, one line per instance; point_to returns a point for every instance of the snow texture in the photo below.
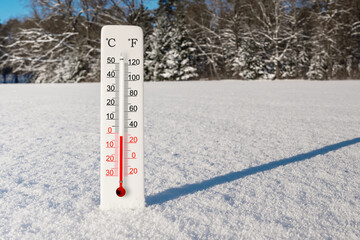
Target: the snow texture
pixel 223 160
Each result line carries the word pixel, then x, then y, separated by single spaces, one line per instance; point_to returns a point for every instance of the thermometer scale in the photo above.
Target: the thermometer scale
pixel 122 166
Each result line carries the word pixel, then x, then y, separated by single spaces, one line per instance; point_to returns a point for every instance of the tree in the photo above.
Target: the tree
pixel 198 19
pixel 159 44
pixel 273 33
pixel 208 45
pixel 231 36
pixel 330 40
pixel 170 55
pixel 179 57
pixel 316 39
pixel 40 53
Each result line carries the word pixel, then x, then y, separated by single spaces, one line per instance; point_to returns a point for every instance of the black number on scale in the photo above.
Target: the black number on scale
pixel 134 77
pixel 111 74
pixel 110 60
pixel 133 124
pixel 133 93
pixel 110 88
pixel 133 108
pixel 110 102
pixel 134 62
pixel 110 116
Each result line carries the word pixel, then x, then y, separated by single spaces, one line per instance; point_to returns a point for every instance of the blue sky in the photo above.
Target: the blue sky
pixel 19 8
pixel 13 8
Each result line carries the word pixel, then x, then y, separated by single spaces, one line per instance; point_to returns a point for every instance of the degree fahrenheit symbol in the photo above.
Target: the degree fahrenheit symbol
pixel 133 41
pixel 111 42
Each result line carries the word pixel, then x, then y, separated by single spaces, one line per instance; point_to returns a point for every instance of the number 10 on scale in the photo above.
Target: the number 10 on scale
pixel 122 166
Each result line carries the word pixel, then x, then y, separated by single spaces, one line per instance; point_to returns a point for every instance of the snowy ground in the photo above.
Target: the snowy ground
pixel 224 160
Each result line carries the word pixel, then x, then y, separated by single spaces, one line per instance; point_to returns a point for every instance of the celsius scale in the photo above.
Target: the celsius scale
pixel 122 96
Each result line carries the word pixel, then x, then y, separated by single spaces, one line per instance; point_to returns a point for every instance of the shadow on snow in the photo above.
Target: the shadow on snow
pixel 173 193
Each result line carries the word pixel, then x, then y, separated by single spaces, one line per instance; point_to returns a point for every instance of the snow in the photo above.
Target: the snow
pixel 223 160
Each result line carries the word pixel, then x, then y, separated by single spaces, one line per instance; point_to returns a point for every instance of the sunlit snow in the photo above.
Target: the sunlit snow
pixel 223 160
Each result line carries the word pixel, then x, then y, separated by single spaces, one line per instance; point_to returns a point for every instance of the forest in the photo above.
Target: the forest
pixel 187 39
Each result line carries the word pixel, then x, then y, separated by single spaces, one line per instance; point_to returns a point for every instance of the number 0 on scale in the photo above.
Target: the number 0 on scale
pixel 122 85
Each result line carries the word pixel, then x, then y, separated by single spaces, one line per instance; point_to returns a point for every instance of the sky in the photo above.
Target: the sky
pixel 13 8
pixel 20 8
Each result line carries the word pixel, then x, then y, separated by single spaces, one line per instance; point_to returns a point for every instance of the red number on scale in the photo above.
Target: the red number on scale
pixel 109 172
pixel 110 144
pixel 110 158
pixel 110 130
pixel 133 155
pixel 133 140
pixel 133 171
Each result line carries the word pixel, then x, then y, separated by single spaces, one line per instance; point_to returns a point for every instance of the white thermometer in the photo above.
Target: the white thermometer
pixel 122 96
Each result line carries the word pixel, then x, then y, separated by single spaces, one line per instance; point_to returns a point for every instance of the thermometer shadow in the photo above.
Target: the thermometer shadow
pixel 174 193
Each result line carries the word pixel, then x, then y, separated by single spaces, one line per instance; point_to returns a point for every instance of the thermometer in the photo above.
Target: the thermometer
pixel 122 85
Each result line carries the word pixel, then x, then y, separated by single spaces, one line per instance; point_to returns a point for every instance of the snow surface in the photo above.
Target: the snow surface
pixel 223 160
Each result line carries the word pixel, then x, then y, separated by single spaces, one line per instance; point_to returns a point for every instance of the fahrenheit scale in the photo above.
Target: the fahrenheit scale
pixel 122 84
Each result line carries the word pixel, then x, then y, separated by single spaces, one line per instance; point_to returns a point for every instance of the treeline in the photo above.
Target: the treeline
pixel 188 39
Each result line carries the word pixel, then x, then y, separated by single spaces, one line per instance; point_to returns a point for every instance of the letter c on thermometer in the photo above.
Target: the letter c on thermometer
pixel 111 42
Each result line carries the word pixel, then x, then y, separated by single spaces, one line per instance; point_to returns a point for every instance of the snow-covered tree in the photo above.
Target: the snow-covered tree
pixel 159 44
pixel 272 33
pixel 41 53
pixel 330 39
pixel 171 52
pixel 246 65
pixel 204 26
pixel 318 66
pixel 179 57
